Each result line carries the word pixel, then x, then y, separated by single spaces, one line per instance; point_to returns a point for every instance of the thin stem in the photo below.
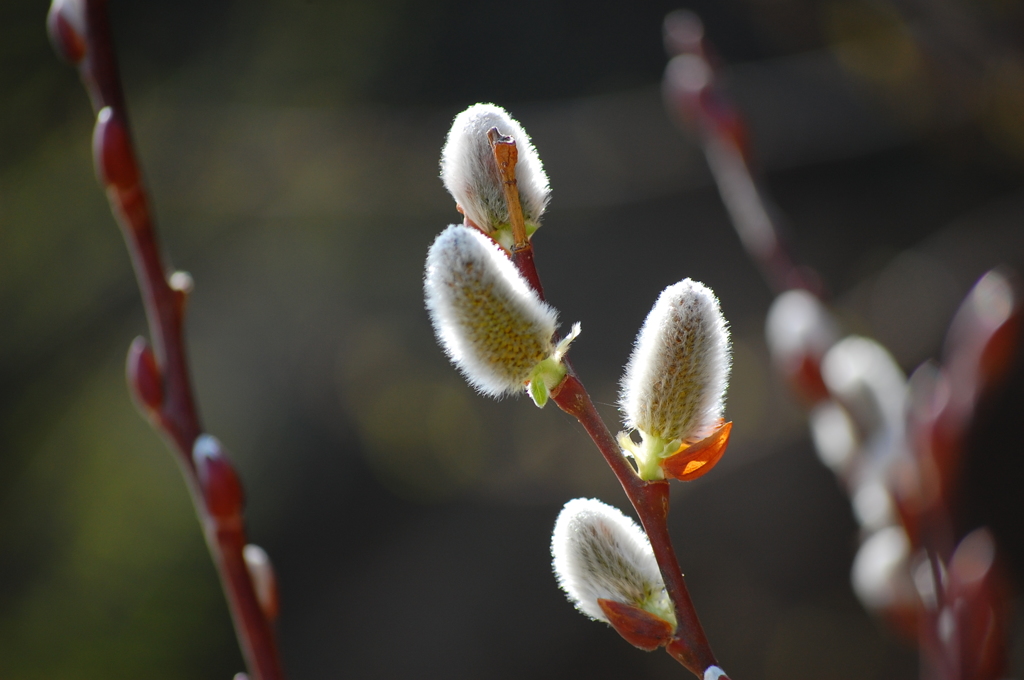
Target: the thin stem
pixel 172 411
pixel 506 155
pixel 523 260
pixel 748 212
pixel 692 91
pixel 650 499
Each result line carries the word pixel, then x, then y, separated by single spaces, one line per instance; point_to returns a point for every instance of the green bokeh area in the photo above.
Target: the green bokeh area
pixel 103 568
pixel 114 577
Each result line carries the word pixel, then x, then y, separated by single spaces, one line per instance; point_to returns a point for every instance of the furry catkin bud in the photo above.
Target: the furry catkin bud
pixel 470 173
pixel 600 554
pixel 674 386
pixel 489 321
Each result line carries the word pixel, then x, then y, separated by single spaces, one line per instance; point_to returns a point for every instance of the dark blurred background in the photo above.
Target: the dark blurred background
pixel 291 148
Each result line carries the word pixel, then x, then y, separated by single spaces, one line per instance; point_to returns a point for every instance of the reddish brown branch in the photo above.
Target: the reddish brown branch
pixel 650 499
pixel 522 258
pixel 694 95
pixel 160 379
pixel 506 156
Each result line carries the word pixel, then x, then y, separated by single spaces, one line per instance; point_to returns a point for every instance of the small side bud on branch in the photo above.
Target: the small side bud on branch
pixel 673 391
pixel 115 162
pixel 222 490
pixel 605 565
pixel 471 174
pixel 683 32
pixel 714 673
pixel 985 329
pixel 65 23
pixel 182 284
pixel 264 581
pixel 144 379
pixel 979 596
pixel 492 325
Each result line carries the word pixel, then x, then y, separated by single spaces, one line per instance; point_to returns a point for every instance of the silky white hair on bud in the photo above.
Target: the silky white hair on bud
pixel 675 382
pixel 470 173
pixel 490 322
pixel 599 553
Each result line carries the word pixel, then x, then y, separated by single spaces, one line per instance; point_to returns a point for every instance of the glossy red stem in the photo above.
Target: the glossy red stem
pixel 176 418
pixel 651 500
pixel 522 258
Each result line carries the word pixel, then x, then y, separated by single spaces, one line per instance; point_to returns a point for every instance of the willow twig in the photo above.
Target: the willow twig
pixel 689 646
pixel 159 378
pixel 650 499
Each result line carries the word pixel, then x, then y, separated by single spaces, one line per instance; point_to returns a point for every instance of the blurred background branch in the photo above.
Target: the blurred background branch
pixel 291 149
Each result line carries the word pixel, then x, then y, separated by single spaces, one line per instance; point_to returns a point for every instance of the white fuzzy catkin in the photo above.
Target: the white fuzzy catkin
pixel 599 553
pixel 798 325
pixel 881 574
pixel 864 377
pixel 470 173
pixel 675 382
pixel 493 326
